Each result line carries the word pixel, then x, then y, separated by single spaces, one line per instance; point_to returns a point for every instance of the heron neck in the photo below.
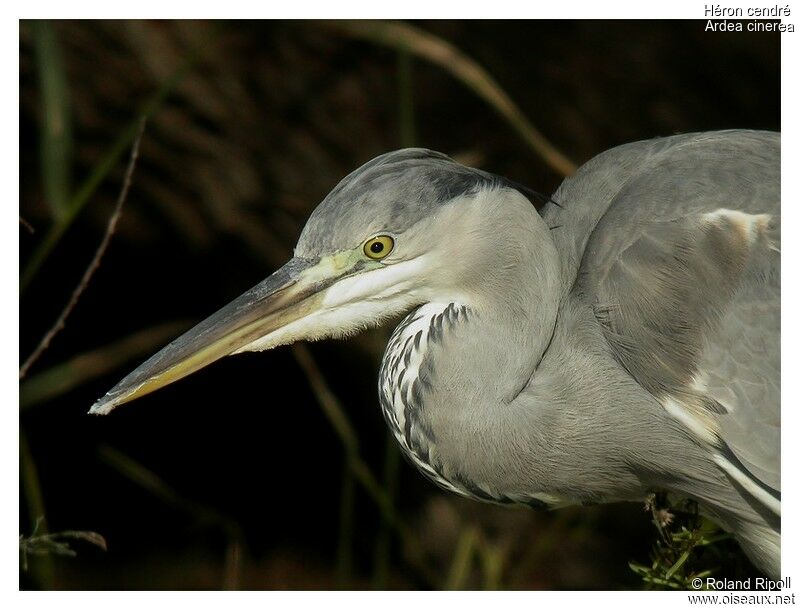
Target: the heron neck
pixel 453 369
pixel 454 366
pixel 515 311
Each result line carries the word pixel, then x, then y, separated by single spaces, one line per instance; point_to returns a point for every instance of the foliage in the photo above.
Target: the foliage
pixel 687 546
pixel 57 543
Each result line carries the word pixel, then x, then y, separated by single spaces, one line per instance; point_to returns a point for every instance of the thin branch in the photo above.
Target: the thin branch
pixel 399 35
pixel 55 544
pixel 65 376
pixel 98 175
pixel 58 543
pixel 95 263
pixel 28 226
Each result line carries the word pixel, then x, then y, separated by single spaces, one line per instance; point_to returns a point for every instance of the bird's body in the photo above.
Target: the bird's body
pixel 624 341
pixel 666 332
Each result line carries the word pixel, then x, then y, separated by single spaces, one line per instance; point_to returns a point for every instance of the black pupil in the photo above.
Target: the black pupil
pixel 376 247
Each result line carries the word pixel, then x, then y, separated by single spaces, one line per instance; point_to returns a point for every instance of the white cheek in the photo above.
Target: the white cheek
pixel 331 323
pixel 351 305
pixel 378 284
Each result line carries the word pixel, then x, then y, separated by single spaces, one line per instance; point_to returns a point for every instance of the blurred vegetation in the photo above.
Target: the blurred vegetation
pixel 274 470
pixel 54 544
pixel 688 547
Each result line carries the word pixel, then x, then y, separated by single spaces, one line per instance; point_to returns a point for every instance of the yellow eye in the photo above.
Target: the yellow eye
pixel 378 247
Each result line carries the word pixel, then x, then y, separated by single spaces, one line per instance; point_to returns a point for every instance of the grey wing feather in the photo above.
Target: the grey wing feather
pixel 741 370
pixel 678 252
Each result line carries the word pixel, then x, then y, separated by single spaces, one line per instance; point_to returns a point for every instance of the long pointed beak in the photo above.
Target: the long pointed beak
pixel 291 293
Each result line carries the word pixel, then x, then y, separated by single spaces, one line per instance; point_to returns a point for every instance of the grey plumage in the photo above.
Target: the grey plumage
pixel 688 298
pixel 408 182
pixel 634 348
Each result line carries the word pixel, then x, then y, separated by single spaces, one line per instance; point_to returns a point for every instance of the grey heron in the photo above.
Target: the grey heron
pixel 624 340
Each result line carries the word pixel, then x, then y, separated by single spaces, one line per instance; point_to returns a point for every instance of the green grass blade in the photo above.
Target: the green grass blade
pixel 56 131
pixel 462 560
pixel 96 178
pixel 30 486
pixel 492 561
pixel 383 543
pixel 85 367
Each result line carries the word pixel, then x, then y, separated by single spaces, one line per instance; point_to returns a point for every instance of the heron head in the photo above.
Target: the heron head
pixel 406 228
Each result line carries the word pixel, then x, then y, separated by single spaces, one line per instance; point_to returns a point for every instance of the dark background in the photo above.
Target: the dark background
pixel 234 477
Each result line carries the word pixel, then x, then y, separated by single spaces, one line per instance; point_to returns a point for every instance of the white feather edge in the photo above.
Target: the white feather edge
pixel 748 484
pixel 679 412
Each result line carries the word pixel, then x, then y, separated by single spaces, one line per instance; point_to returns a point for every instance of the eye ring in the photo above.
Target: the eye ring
pixel 379 247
